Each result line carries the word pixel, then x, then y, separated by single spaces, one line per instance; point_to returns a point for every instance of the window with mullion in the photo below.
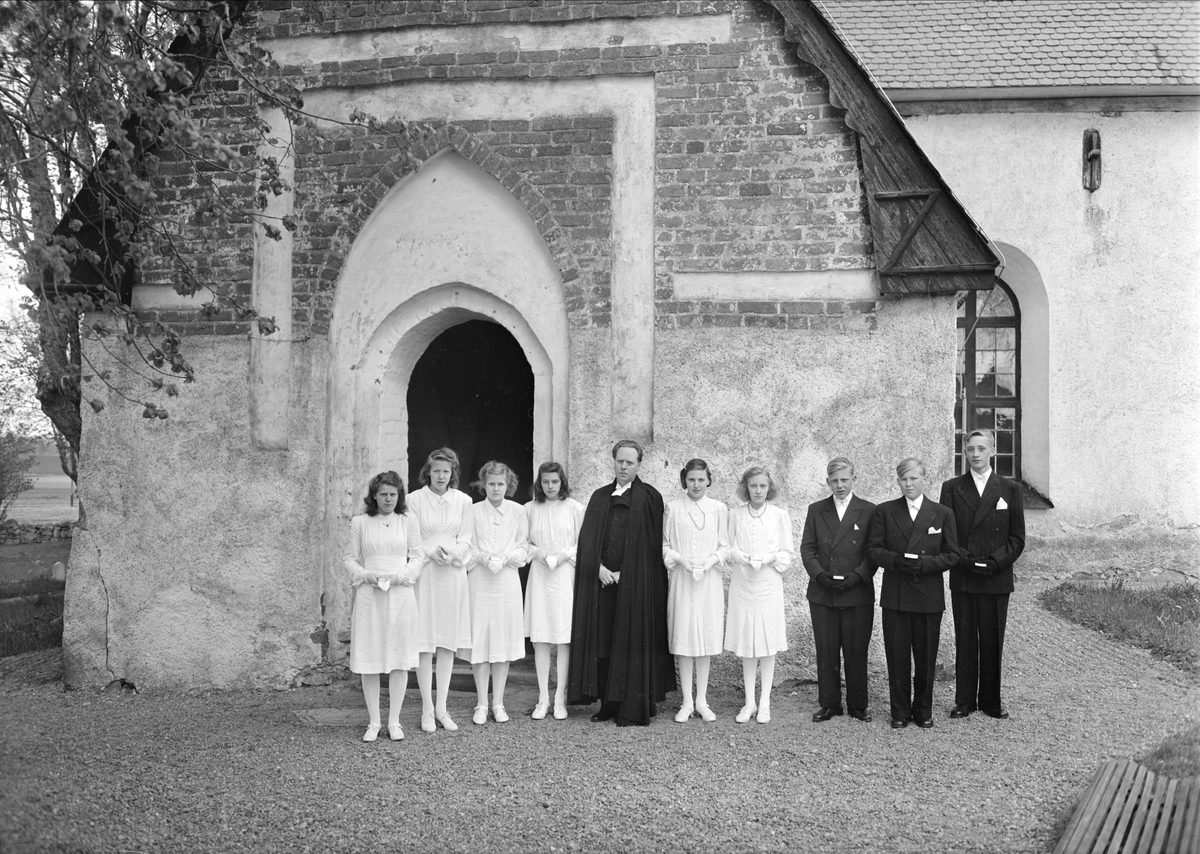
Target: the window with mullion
pixel 988 376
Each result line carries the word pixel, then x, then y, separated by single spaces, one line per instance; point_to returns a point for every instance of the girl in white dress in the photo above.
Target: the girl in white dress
pixel 492 543
pixel 554 521
pixel 695 542
pixel 383 623
pixel 760 550
pixel 443 601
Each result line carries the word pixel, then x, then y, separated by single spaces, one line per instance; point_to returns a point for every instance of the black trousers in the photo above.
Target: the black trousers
pixel 911 637
pixel 839 632
pixel 979 623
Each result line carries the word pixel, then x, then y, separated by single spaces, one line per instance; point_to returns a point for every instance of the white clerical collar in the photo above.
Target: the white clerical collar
pixel 915 506
pixel 981 479
pixel 621 490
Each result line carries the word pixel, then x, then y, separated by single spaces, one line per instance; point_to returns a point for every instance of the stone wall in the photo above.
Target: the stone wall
pixel 656 199
pixel 18 534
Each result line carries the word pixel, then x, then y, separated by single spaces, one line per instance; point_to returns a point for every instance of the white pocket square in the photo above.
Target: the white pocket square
pixel 935 530
pixel 856 527
pixel 1001 504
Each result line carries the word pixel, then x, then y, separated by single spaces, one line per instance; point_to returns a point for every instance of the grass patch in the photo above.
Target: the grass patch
pixel 30 587
pixel 31 623
pixel 1177 755
pixel 1164 620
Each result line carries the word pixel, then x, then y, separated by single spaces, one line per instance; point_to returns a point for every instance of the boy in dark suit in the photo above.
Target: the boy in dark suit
pixel 913 541
pixel 990 523
pixel 841 595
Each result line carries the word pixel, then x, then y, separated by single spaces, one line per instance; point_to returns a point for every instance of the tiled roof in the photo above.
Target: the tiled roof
pixel 963 44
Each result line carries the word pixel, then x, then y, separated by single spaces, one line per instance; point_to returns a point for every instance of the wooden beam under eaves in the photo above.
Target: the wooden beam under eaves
pixel 924 240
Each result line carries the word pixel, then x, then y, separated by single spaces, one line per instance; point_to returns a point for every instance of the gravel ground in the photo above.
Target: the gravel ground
pixel 118 771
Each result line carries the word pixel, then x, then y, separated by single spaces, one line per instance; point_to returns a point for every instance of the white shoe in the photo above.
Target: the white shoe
pixel 539 711
pixel 427 724
pixel 501 716
pixel 746 714
pixel 372 733
pixel 480 716
pixel 447 724
pixel 764 714
pixel 395 732
pixel 685 713
pixel 560 711
pixel 705 713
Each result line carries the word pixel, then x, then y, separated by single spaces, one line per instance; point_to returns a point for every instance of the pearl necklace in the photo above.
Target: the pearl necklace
pixel 760 514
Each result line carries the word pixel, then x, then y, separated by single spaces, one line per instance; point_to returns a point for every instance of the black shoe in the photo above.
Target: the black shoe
pixel 861 715
pixel 924 723
pixel 961 711
pixel 1000 714
pixel 898 724
pixel 825 713
pixel 606 713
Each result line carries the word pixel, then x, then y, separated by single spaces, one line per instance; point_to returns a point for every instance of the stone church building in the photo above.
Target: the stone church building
pixel 698 224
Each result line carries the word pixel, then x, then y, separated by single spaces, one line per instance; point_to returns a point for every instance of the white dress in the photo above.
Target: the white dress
pixel 549 593
pixel 443 601
pixel 383 623
pixel 489 536
pixel 693 533
pixel 756 626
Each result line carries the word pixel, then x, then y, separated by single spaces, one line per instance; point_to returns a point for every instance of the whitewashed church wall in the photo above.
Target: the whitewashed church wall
pixel 1120 269
pixel 200 565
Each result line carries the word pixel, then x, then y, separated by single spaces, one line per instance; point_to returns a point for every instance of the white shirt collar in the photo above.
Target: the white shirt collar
pixel 915 506
pixel 621 490
pixel 981 479
pixel 841 506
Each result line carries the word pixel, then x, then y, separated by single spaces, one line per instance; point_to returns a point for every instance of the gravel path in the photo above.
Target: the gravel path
pixel 117 771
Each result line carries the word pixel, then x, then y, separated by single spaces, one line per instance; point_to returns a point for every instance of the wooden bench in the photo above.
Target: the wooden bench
pixel 1129 810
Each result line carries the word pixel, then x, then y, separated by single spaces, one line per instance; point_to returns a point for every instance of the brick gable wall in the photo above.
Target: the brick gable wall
pixel 755 170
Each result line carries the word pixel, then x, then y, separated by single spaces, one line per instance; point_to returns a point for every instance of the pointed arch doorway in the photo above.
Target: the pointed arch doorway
pixel 473 390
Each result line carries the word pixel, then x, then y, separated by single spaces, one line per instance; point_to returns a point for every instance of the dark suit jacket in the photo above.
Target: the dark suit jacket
pixel 840 548
pixel 986 530
pixel 931 536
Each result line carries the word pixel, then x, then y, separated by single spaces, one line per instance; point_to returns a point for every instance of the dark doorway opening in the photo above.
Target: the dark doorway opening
pixel 473 391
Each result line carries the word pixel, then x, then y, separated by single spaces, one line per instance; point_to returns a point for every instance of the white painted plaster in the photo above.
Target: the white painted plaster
pixel 309 51
pixel 447 244
pixel 165 297
pixel 755 285
pixel 271 289
pixel 1119 268
pixel 631 103
pixel 1023 278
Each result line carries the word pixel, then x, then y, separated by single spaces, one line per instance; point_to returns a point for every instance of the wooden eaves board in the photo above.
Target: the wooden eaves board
pixel 925 242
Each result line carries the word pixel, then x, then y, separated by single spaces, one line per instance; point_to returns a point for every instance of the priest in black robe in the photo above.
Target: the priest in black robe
pixel 619 652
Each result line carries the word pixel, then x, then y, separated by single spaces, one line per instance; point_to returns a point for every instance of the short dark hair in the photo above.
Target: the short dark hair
pixel 743 492
pixel 385 478
pixel 493 467
pixel 696 464
pixel 564 491
pixel 441 455
pixel 627 443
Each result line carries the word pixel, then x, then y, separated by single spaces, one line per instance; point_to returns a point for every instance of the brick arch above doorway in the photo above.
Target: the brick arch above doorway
pixel 419 145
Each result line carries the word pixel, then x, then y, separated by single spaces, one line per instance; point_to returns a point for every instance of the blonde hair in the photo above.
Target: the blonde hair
pixel 743 491
pixel 492 467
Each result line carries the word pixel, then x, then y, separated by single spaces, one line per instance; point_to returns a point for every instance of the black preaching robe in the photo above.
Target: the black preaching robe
pixel 625 623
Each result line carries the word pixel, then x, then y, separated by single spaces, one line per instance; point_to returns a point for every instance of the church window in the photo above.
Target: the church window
pixel 988 377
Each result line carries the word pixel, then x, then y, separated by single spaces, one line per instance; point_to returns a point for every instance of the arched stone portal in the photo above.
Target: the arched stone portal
pixel 447 245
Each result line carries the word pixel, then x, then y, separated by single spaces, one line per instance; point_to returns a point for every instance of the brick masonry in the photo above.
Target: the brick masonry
pixel 756 171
